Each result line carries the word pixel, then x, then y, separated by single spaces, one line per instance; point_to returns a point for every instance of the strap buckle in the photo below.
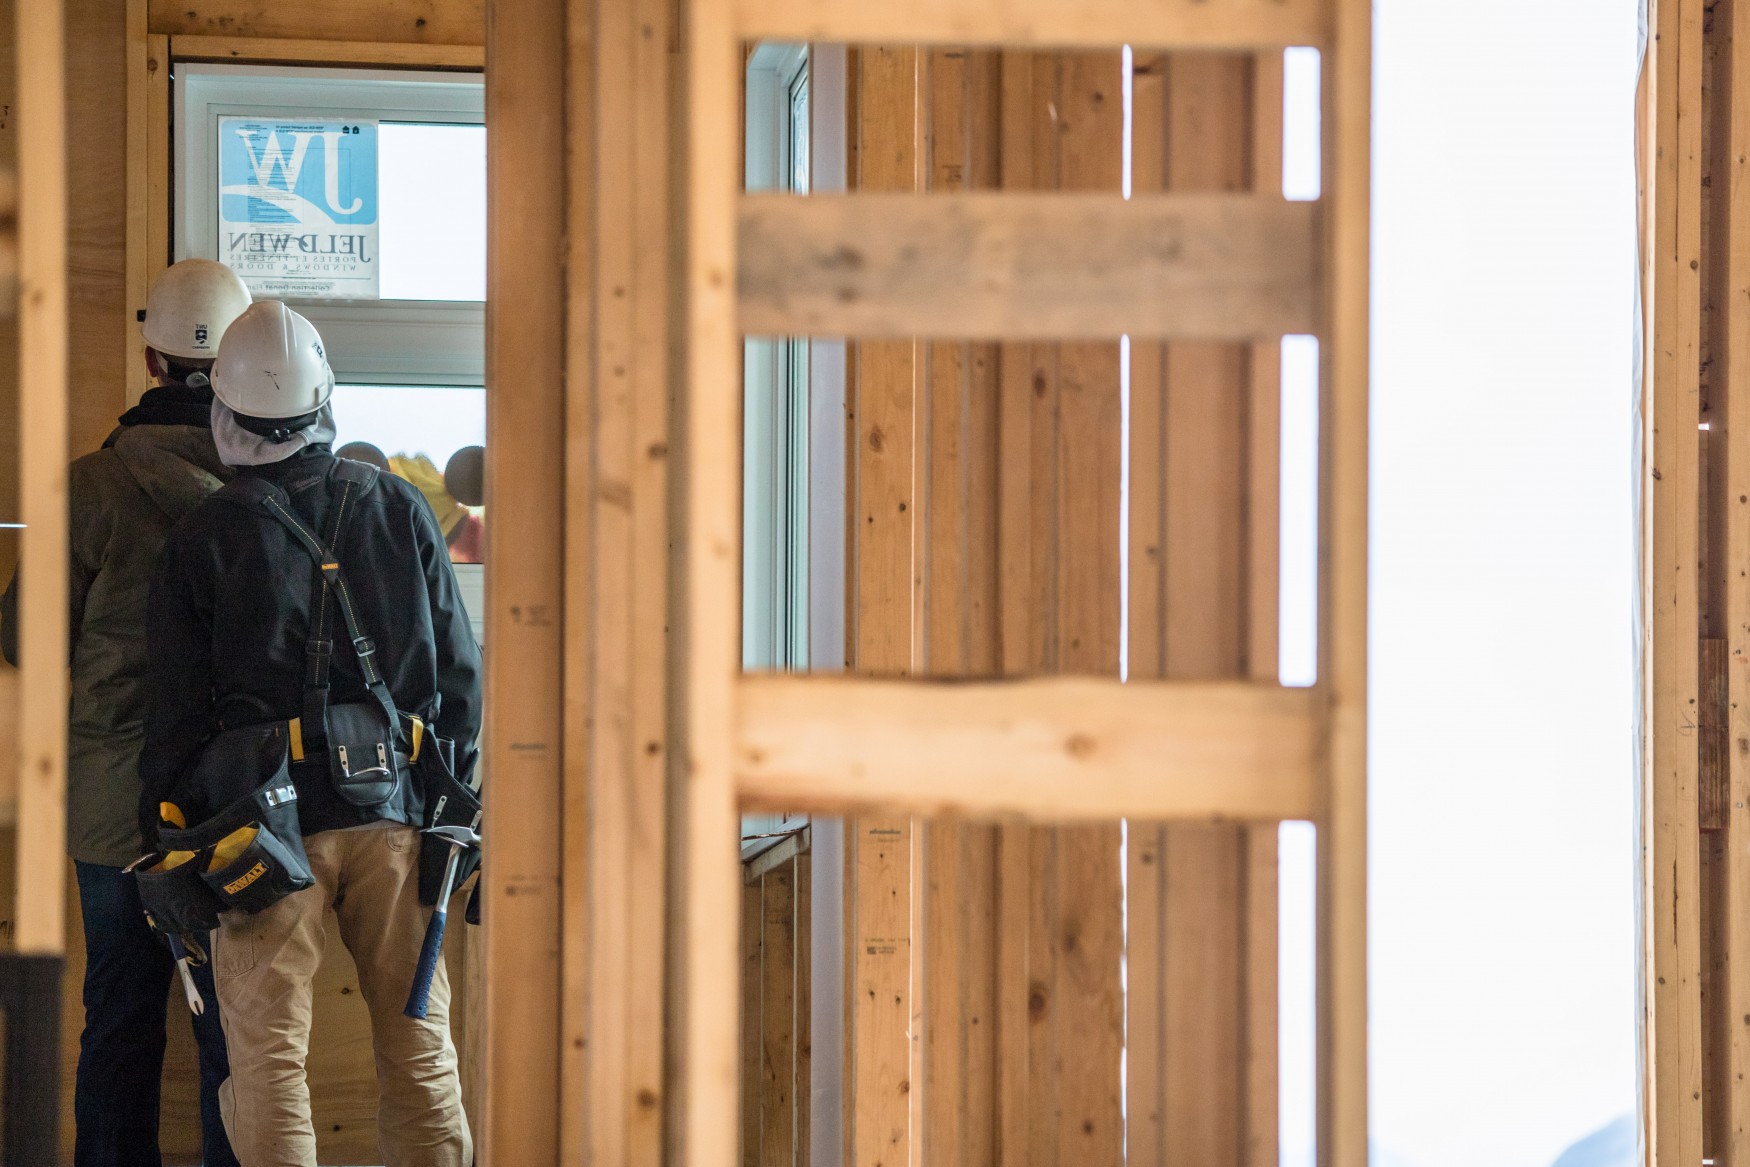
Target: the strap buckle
pixel 364 646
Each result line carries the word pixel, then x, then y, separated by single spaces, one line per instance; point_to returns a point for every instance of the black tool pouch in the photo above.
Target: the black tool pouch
pixel 449 802
pixel 173 893
pixel 252 848
pixel 363 765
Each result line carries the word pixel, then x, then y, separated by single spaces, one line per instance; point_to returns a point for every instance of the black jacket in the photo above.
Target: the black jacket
pixel 230 615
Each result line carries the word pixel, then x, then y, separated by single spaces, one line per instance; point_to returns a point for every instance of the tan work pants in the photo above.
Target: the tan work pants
pixel 264 965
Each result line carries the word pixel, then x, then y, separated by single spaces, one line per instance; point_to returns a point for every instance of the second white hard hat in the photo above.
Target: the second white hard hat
pixel 271 364
pixel 191 306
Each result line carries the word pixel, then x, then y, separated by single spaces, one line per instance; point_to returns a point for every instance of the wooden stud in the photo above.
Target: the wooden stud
pixel 265 50
pixel 1049 749
pixel 1203 596
pixel 804 1002
pixel 525 716
pixel 43 415
pixel 148 183
pixel 886 637
pixel 706 578
pixel 622 68
pixel 774 1087
pixel 1343 431
pixel 1671 174
pixel 1728 1109
pixel 1262 1090
pixel 1094 24
pixel 1713 739
pixel 1079 930
pixel 753 979
pixel 957 469
pixel 1049 266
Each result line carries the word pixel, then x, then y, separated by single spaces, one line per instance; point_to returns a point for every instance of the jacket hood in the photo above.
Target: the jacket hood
pixel 176 465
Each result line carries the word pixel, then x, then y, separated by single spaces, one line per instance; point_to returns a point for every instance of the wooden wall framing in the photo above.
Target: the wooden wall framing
pixel 715 708
pixel 1694 134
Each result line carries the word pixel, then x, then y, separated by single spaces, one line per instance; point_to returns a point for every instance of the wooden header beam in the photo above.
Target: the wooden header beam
pixel 1164 24
pixel 1049 749
pixel 1029 266
pixel 289 51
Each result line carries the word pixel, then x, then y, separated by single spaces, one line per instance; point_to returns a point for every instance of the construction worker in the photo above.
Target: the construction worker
pixel 238 639
pixel 154 468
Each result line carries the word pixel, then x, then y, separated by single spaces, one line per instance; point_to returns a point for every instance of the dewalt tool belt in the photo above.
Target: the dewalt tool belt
pixel 247 854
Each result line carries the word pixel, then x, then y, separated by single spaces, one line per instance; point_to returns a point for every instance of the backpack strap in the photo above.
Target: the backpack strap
pixel 354 479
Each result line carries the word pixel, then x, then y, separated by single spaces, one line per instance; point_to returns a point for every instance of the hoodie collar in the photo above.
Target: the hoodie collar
pixel 172 403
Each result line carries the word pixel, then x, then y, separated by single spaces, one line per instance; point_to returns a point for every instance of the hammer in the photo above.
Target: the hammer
pixel 458 838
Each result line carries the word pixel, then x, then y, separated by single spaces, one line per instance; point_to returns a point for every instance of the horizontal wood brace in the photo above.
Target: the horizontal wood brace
pixel 1047 749
pixel 1159 24
pixel 991 266
pixel 286 51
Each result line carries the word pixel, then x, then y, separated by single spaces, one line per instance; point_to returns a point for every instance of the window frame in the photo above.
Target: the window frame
pixel 776 419
pixel 370 342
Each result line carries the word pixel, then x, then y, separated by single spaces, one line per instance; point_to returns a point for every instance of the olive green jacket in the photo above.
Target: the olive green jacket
pixel 123 500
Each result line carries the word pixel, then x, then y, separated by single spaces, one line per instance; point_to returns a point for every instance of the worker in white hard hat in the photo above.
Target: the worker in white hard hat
pixel 311 603
pixel 158 463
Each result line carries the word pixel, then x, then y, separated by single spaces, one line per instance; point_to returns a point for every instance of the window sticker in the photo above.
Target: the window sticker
pixel 298 206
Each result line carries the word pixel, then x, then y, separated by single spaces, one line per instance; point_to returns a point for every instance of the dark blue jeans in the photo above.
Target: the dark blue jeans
pixel 128 973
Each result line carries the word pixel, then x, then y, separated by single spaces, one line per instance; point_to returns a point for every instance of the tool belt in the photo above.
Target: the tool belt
pixel 246 855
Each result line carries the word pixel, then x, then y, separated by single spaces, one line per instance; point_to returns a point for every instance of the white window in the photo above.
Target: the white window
pixel 776 459
pixel 424 323
pixel 775 466
pixel 358 197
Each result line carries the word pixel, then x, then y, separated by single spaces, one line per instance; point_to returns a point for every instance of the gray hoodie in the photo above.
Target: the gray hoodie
pixel 123 500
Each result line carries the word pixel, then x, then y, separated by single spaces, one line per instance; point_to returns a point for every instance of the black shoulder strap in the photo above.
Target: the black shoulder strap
pixel 354 479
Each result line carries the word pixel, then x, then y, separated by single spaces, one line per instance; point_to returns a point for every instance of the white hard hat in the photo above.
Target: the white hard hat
pixel 271 364
pixel 191 306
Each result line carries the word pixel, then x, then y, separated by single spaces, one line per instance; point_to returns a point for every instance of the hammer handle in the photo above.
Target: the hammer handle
pixel 429 954
pixel 420 996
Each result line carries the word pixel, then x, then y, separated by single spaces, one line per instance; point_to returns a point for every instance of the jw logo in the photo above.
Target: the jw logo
pixel 268 156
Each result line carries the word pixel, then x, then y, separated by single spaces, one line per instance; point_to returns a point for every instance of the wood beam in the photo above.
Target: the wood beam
pixel 885 636
pixel 264 50
pixel 1671 174
pixel 1092 24
pixel 524 734
pixel 436 22
pixel 43 417
pixel 1343 483
pixel 1045 749
pixel 705 581
pixel 1038 266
